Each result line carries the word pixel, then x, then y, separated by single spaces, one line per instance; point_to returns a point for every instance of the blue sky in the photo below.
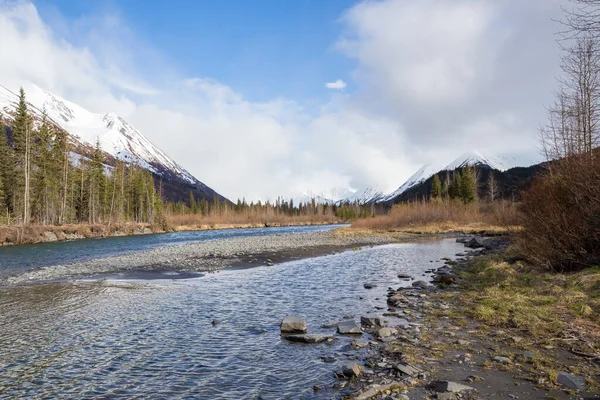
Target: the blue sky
pixel 234 91
pixel 263 49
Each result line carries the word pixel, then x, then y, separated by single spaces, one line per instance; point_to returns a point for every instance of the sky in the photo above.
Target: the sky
pixel 267 98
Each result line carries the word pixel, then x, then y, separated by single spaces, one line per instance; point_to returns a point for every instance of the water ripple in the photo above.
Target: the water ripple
pixel 140 339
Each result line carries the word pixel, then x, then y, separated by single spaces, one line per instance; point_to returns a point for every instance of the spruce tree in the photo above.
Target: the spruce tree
pixel 468 189
pixel 436 188
pixel 22 140
pixel 455 184
pixel 7 172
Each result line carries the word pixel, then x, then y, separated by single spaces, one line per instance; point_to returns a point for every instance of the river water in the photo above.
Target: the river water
pixel 154 338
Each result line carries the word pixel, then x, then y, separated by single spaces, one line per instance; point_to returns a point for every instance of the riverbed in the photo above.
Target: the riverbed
pixel 138 338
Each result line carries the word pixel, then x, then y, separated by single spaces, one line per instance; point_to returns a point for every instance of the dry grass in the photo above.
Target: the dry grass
pixel 14 234
pixel 546 305
pixel 444 217
pixel 196 221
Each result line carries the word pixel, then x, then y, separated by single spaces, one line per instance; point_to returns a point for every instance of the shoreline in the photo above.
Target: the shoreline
pixel 436 349
pixel 14 235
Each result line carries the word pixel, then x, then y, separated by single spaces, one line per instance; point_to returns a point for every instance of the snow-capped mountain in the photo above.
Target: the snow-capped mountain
pixel 117 138
pixel 471 158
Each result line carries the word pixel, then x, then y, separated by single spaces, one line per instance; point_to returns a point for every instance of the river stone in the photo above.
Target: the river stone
pixel 371 321
pixel 475 243
pixel 293 324
pixel 348 327
pixel 330 324
pixel 407 369
pixel 502 360
pixel 420 284
pixel 448 386
pixel 307 338
pixel 352 370
pixel 404 276
pixel 369 285
pixel 386 332
pixel 571 381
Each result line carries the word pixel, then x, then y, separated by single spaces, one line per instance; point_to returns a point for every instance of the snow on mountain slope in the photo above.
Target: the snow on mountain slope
pixel 368 195
pixel 472 158
pixel 115 135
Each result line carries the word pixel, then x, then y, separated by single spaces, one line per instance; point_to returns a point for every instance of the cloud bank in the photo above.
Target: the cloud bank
pixel 433 79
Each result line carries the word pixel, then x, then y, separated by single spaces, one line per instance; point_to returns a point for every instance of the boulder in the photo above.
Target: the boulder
pixel 348 327
pixel 371 321
pixel 369 285
pixel 571 381
pixel 330 324
pixel 407 369
pixel 352 370
pixel 448 386
pixel 293 324
pixel 420 284
pixel 475 243
pixel 404 276
pixel 307 338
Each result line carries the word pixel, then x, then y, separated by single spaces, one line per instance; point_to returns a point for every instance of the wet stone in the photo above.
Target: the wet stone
pixel 293 324
pixel 348 327
pixel 571 381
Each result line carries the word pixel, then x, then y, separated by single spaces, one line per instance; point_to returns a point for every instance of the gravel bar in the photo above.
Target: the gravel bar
pixel 206 256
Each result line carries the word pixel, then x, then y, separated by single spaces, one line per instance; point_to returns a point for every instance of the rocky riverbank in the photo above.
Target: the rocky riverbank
pixel 209 256
pixel 432 343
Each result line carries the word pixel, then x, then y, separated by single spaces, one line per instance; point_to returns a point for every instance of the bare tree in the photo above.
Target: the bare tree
pixel 492 186
pixel 582 18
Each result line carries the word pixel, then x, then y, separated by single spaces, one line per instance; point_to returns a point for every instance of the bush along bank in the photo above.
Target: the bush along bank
pixel 489 326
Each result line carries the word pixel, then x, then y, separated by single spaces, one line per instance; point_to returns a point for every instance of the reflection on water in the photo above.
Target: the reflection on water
pixel 140 338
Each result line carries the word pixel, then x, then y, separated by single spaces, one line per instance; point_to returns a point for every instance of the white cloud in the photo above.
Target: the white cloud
pixel 433 79
pixel 338 85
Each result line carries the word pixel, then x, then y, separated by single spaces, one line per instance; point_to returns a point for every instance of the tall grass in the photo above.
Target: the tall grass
pixel 177 221
pixel 444 216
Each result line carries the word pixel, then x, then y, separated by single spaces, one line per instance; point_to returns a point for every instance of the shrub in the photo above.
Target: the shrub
pixel 561 216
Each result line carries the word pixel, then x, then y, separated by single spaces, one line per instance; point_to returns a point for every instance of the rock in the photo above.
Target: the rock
pixel 386 332
pixel 445 396
pixel 352 370
pixel 462 342
pixel 373 390
pixel 328 359
pixel 404 276
pixel 420 284
pixel 330 324
pixel 407 369
pixel 369 285
pixel 475 243
pixel 359 344
pixel 307 338
pixel 502 360
pixel 371 321
pixel 293 324
pixel 348 327
pixel 316 388
pixel 528 354
pixel 516 339
pixel 571 381
pixel 215 322
pixel 448 386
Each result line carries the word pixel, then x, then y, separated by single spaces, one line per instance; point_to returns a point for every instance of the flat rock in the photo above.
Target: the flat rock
pixel 369 285
pixel 348 327
pixel 293 324
pixel 373 390
pixel 352 370
pixel 571 381
pixel 404 276
pixel 331 324
pixel 371 321
pixel 475 243
pixel 448 386
pixel 307 338
pixel 328 359
pixel 407 369
pixel 445 396
pixel 359 344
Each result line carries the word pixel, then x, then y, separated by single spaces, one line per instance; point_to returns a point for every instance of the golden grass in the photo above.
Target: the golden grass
pixel 197 221
pixel 444 217
pixel 545 305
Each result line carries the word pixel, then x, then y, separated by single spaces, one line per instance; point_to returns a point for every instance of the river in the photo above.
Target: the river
pixel 133 338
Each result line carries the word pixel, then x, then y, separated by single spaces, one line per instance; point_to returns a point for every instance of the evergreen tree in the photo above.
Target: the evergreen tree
pixel 468 187
pixel 455 184
pixel 436 188
pixel 6 170
pixel 22 139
